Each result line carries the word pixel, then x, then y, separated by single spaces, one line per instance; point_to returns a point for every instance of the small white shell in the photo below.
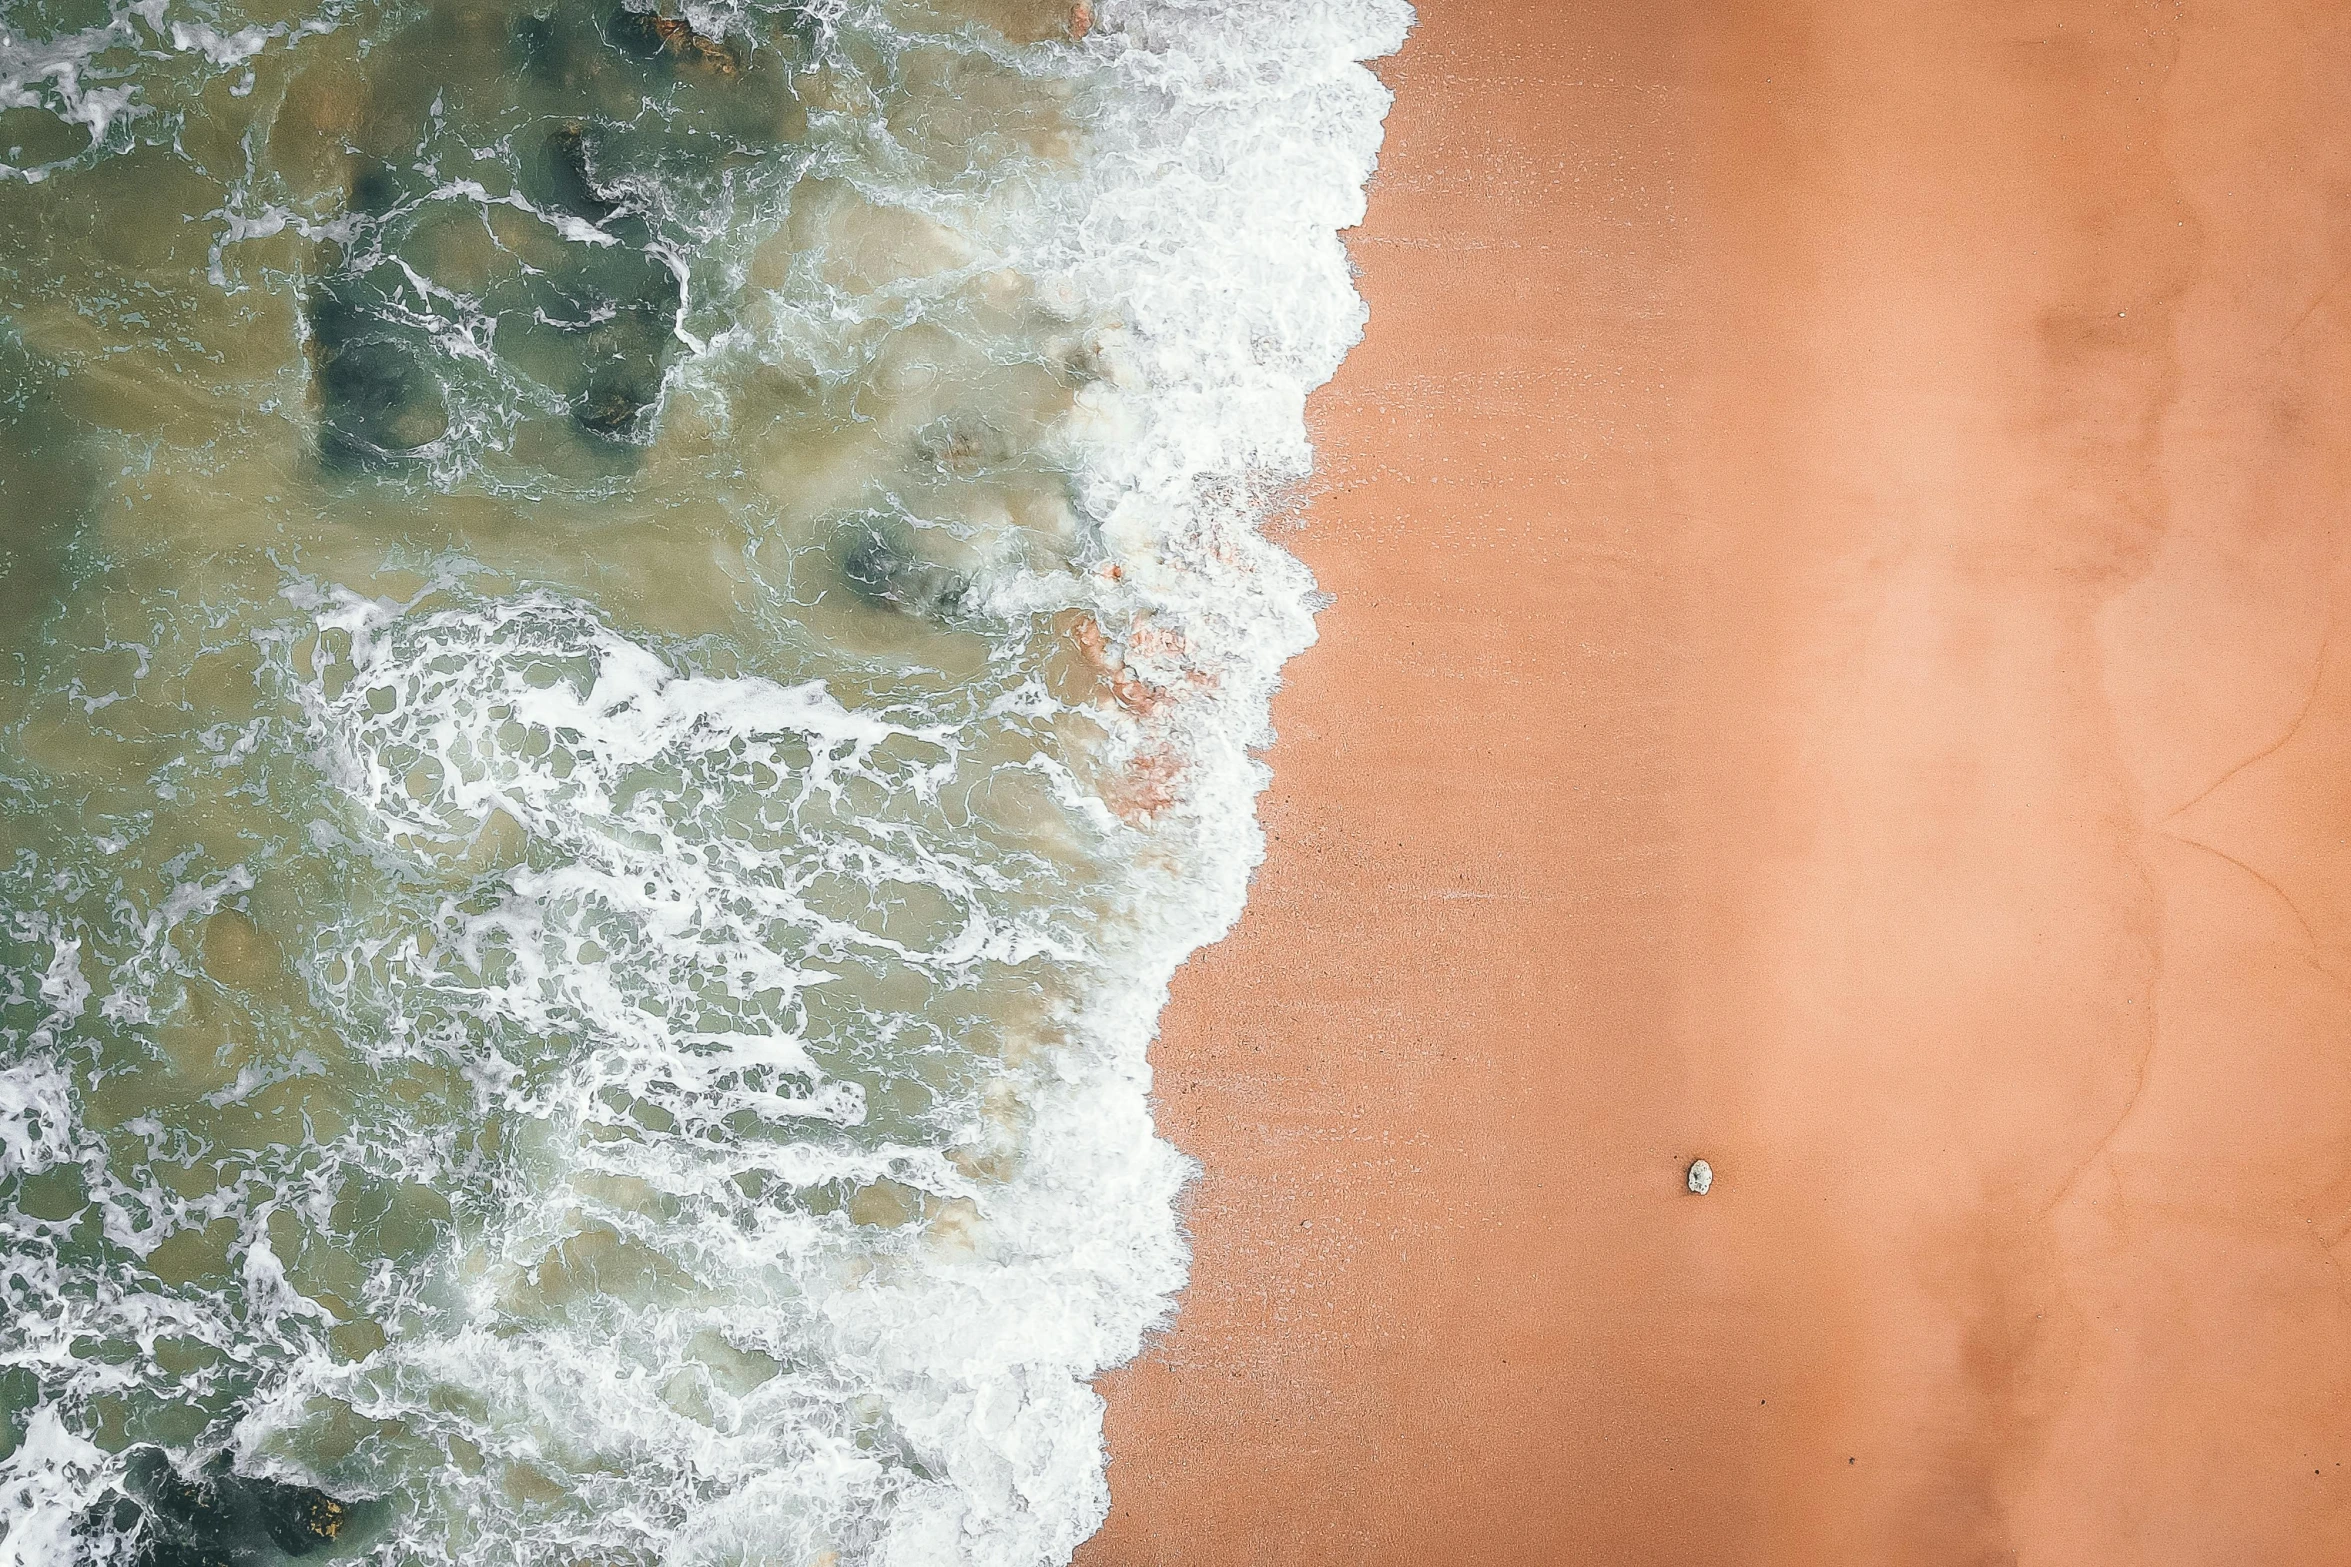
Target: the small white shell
pixel 1701 1176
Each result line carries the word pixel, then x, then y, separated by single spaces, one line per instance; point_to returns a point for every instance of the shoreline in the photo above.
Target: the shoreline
pixel 1833 536
pixel 1471 858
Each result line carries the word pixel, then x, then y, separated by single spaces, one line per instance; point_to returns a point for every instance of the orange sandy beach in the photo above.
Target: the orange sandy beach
pixel 1835 528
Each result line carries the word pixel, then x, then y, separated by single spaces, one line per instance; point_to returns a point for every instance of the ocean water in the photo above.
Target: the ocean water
pixel 633 643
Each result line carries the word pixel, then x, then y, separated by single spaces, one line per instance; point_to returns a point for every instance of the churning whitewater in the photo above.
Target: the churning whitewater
pixel 634 638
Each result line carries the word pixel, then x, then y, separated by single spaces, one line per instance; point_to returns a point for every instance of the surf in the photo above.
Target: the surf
pixel 641 640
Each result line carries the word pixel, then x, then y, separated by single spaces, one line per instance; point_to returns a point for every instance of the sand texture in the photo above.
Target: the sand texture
pixel 1835 670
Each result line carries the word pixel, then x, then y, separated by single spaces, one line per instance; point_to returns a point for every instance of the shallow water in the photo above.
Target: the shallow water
pixel 634 642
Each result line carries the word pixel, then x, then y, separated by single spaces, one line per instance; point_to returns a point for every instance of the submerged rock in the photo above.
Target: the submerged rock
pixel 889 575
pixel 625 360
pixel 376 400
pixel 962 448
pixel 644 35
pixel 375 190
pixel 300 1518
pixel 218 1519
pixel 570 181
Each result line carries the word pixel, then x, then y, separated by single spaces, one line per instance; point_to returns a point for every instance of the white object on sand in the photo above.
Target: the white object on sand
pixel 1701 1176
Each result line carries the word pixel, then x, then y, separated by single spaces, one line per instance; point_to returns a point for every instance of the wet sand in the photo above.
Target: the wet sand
pixel 1835 528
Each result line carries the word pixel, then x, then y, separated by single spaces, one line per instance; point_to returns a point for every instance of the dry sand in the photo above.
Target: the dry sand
pixel 1835 528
